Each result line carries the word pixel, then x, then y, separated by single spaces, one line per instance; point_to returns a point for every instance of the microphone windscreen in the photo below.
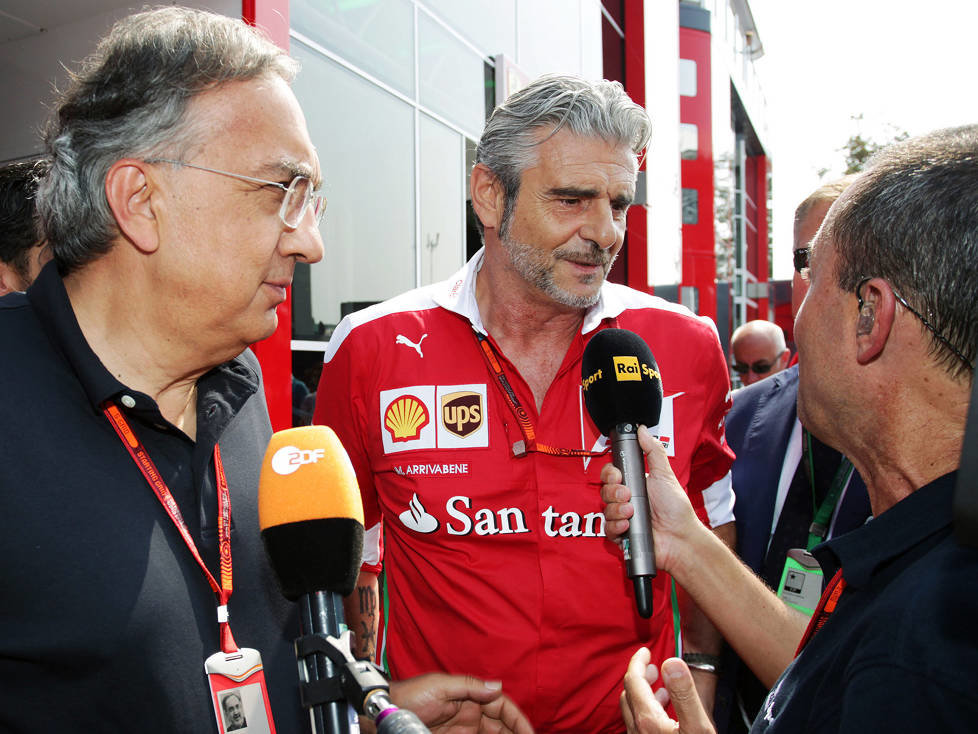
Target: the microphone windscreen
pixel 310 512
pixel 621 380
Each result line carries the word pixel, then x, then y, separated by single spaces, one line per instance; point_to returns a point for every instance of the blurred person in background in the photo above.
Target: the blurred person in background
pixel 758 350
pixel 22 250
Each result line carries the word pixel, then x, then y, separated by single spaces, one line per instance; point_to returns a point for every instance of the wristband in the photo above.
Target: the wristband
pixel 702 661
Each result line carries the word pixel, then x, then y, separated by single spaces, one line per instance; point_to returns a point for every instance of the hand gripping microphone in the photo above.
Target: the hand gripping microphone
pixel 622 389
pixel 311 519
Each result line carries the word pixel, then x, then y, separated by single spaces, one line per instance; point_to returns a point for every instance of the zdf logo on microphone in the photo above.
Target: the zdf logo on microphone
pixel 289 458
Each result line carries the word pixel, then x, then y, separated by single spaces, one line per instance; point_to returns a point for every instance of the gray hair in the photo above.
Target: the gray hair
pixel 130 99
pixel 538 111
pixel 912 219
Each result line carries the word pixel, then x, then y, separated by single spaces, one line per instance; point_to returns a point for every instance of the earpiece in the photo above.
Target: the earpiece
pixel 867 316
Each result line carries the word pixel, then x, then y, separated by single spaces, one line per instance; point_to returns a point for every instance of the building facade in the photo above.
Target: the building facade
pixel 395 94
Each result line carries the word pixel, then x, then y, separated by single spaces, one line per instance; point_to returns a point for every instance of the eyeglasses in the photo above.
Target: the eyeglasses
pixel 800 258
pixel 299 194
pixel 927 324
pixel 758 368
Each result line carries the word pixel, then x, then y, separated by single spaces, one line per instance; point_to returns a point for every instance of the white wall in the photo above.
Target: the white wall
pixel 34 65
pixel 559 36
pixel 663 164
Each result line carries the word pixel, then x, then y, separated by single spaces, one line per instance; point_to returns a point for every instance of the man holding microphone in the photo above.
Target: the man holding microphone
pixel 887 341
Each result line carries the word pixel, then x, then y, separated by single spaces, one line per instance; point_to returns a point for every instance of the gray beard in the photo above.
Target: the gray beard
pixel 527 262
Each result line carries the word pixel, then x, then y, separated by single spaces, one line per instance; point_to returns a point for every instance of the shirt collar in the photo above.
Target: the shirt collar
pixel 457 294
pixel 908 523
pixel 50 301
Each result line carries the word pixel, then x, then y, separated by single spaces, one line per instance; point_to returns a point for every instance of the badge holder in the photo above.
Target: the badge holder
pixel 801 581
pixel 239 693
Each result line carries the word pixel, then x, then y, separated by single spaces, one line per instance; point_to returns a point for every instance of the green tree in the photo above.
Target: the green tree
pixel 859 148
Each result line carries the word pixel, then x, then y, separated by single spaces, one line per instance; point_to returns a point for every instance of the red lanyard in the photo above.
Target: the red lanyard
pixel 826 606
pixel 139 454
pixel 522 418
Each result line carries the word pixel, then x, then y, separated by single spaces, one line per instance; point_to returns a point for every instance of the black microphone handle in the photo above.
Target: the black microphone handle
pixel 321 612
pixel 626 455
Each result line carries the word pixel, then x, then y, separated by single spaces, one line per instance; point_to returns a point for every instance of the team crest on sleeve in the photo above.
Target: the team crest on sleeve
pixel 434 416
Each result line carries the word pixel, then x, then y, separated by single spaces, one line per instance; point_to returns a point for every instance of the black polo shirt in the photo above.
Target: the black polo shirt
pixel 900 653
pixel 105 618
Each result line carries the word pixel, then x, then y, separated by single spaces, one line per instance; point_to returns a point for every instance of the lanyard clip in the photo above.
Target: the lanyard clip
pixel 222 614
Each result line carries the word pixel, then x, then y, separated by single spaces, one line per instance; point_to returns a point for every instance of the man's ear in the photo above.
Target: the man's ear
pixel 130 189
pixel 9 279
pixel 874 320
pixel 488 198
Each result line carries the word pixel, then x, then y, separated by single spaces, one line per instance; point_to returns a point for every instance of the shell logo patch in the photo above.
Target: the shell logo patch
pixel 405 418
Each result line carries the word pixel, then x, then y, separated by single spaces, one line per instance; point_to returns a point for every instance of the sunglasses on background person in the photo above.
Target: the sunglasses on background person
pixel 758 368
pixel 800 258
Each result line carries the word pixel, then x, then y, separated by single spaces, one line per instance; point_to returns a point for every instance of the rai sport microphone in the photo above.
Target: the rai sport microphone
pixel 311 519
pixel 622 390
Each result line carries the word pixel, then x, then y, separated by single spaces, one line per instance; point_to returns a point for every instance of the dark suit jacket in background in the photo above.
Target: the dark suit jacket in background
pixel 758 428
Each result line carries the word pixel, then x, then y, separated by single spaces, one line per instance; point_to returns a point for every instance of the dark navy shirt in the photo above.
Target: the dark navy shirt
pixel 105 618
pixel 900 652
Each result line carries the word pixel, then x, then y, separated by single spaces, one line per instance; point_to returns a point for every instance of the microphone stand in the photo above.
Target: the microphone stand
pixel 359 682
pixel 321 613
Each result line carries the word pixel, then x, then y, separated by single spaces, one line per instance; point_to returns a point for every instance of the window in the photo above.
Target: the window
pixel 691 203
pixel 365 140
pixel 688 141
pixel 442 246
pixel 687 78
pixel 451 76
pixel 376 36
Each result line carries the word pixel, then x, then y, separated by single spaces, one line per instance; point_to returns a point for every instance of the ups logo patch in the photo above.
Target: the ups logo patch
pixel 462 412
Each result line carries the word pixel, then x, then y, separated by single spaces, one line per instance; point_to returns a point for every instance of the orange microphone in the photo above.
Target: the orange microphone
pixel 310 512
pixel 311 519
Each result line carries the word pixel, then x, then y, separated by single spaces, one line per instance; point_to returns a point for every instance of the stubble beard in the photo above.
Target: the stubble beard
pixel 539 272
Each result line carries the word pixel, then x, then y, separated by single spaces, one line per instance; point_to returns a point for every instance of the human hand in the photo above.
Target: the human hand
pixel 673 517
pixel 460 704
pixel 644 711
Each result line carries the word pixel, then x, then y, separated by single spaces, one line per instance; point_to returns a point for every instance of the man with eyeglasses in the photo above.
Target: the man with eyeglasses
pixel 758 350
pixel 786 480
pixel 461 406
pixel 182 191
pixel 887 339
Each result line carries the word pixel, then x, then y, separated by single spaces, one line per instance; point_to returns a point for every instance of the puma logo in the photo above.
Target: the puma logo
pixel 401 339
